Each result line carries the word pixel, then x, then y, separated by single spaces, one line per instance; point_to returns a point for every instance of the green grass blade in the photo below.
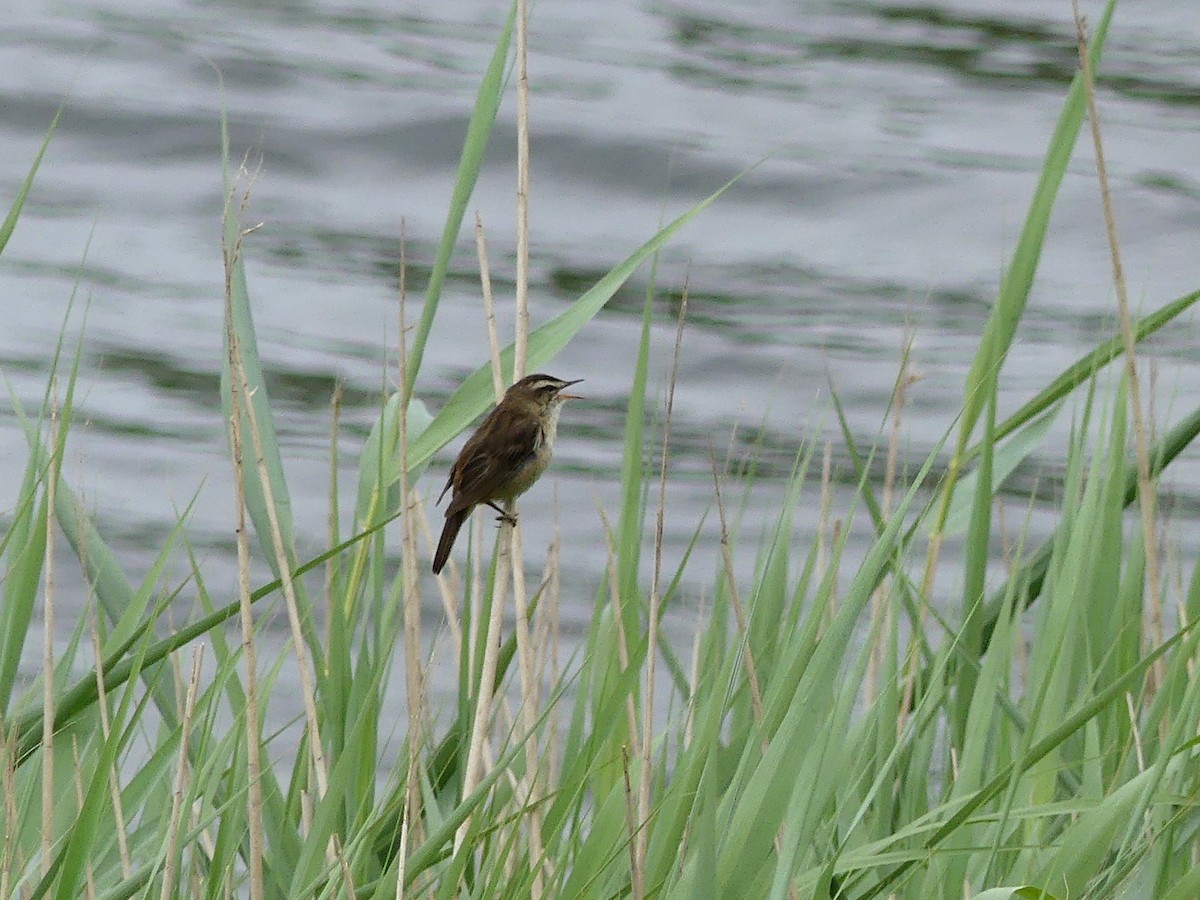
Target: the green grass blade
pixel 1086 367
pixel 487 102
pixel 241 323
pixel 476 393
pixel 1018 279
pixel 14 211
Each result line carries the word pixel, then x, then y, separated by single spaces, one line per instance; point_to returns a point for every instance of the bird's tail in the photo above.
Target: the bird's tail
pixel 454 521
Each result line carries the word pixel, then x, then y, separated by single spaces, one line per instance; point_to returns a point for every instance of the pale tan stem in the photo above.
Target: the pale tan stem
pixel 487 678
pixel 1146 495
pixel 643 808
pixel 335 407
pixel 529 712
pixel 284 567
pixel 89 886
pixel 521 347
pixel 614 596
pixel 414 675
pixel 171 872
pixel 48 645
pixel 114 786
pixel 637 878
pixel 254 797
pixel 738 610
pixel 489 307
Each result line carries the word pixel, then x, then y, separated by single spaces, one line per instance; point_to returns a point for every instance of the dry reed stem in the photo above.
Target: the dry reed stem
pixel 89 883
pixel 485 682
pixel 879 609
pixel 637 877
pixel 614 597
pixel 521 346
pixel 344 866
pixel 335 405
pixel 552 630
pixel 528 708
pixel 689 723
pixel 736 600
pixel 447 595
pixel 48 643
pixel 739 612
pixel 402 860
pixel 8 850
pixel 476 600
pixel 1146 495
pixel 520 361
pixel 414 676
pixel 114 786
pixel 824 508
pixel 643 834
pixel 487 678
pixel 489 306
pixel 171 871
pixel 283 564
pixel 254 798
pixel 516 550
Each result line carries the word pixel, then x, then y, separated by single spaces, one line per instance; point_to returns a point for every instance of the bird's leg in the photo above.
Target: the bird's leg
pixel 505 516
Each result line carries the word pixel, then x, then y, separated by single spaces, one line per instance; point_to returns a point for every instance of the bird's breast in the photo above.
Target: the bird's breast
pixel 530 471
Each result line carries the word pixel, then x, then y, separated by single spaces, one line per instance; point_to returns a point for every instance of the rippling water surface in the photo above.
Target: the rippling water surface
pixel 905 143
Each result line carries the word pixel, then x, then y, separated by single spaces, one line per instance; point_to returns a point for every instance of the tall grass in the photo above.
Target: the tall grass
pixel 834 729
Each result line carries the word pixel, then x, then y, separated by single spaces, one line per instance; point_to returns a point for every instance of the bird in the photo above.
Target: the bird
pixel 508 452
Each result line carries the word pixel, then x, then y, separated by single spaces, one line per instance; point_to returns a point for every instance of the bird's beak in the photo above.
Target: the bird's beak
pixel 570 396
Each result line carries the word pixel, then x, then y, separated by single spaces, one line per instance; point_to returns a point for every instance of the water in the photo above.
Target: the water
pixel 906 143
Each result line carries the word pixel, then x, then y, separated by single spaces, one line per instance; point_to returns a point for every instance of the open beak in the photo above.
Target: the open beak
pixel 570 396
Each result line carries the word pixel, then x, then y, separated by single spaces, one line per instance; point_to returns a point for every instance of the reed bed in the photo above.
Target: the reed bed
pixel 834 729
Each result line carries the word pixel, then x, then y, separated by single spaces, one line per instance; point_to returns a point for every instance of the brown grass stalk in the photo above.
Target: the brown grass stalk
pixel 643 834
pixel 254 798
pixel 525 662
pixel 114 786
pixel 89 884
pixel 448 598
pixel 1141 434
pixel 521 347
pixel 414 675
pixel 879 608
pixel 637 876
pixel 171 870
pixel 331 566
pixel 739 611
pixel 9 860
pixel 48 645
pixel 614 597
pixel 486 677
pixel 489 306
pixel 284 567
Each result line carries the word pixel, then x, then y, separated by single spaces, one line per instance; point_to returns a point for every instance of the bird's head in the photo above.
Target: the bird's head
pixel 540 392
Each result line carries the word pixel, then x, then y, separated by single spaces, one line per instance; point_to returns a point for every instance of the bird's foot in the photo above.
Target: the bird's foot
pixel 505 517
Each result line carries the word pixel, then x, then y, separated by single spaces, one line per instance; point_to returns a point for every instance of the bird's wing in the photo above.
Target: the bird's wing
pixel 449 482
pixel 489 459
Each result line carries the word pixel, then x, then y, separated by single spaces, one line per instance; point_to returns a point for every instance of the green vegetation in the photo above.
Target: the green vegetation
pixel 831 732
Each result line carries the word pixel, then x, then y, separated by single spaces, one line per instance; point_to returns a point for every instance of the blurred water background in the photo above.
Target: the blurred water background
pixel 906 142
